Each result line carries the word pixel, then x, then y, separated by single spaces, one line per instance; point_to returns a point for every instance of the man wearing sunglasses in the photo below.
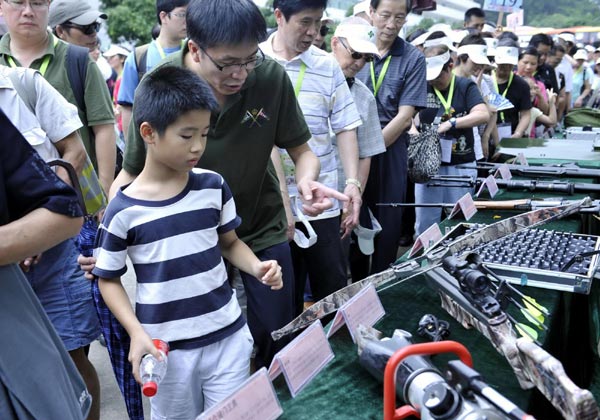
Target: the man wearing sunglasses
pixel 353 46
pixel 327 104
pixel 75 22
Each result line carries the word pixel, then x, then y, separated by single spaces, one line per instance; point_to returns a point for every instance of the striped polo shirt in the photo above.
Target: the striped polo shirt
pixel 182 294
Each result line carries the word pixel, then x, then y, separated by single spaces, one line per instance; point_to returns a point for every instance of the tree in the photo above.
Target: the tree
pixel 130 20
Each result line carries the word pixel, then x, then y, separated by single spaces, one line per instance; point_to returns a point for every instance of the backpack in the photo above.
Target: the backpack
pixel 141 58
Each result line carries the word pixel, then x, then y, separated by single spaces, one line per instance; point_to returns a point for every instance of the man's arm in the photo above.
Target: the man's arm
pixel 398 125
pixel 72 150
pixel 34 233
pixel 524 117
pixel 126 114
pixel 348 151
pixel 285 195
pixel 106 153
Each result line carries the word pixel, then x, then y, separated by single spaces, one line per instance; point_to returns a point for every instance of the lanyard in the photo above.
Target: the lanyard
pixel 161 52
pixel 298 85
pixel 45 63
pixel 377 85
pixel 447 103
pixel 510 79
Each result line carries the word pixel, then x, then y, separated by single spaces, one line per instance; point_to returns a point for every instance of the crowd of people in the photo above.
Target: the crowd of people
pixel 215 158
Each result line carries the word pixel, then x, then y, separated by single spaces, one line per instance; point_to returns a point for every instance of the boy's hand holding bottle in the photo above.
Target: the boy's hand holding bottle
pixel 269 273
pixel 141 344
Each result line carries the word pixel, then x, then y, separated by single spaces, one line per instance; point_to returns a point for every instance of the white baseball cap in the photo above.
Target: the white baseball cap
pixel 366 236
pixel 435 65
pixel 492 44
pixel 445 40
pixel 359 35
pixel 477 53
pixel 326 18
pixel 507 55
pixel 363 6
pixel 420 40
pixel 115 50
pixel 567 37
pixel 581 54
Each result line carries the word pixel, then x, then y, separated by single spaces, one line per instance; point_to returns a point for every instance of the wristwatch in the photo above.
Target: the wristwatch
pixel 453 122
pixel 356 182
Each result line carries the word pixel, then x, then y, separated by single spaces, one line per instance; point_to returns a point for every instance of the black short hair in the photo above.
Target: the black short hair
pixel 538 39
pixel 415 34
pixel 509 35
pixel 474 11
pixel 168 92
pixel 168 6
pixel 529 50
pixel 472 39
pixel 213 23
pixel 290 7
pixel 375 5
pixel 557 48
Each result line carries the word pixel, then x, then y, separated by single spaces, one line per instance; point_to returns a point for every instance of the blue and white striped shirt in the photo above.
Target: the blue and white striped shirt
pixel 182 288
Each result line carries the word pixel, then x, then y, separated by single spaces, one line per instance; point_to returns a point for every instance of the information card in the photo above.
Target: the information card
pixel 504 172
pixel 464 205
pixel 303 358
pixel 522 160
pixel 490 184
pixel 364 308
pixel 426 239
pixel 254 400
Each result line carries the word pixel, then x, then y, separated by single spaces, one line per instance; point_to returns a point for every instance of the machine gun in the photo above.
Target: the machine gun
pixel 539 171
pixel 408 373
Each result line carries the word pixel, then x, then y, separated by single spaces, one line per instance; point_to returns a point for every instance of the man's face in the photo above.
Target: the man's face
pixel 388 18
pixel 85 36
pixel 174 23
pixel 231 79
pixel 475 23
pixel 543 51
pixel 343 55
pixel 300 30
pixel 27 21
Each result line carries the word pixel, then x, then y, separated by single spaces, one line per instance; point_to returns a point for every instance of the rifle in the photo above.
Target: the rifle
pixel 518 205
pixel 539 171
pixel 562 187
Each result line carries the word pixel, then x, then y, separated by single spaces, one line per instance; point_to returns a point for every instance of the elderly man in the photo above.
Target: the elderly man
pixel 353 45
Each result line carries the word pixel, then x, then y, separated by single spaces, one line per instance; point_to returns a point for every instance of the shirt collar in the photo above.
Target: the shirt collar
pixel 5 45
pixel 306 57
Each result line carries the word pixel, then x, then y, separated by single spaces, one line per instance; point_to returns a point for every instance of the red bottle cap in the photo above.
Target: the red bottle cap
pixel 149 389
pixel 161 345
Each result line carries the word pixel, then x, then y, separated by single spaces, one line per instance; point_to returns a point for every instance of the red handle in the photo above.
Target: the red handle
pixel 424 349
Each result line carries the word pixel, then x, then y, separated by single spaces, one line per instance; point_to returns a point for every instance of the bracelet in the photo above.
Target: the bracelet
pixel 356 182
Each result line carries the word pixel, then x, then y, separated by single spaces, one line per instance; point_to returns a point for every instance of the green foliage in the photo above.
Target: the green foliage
pixel 130 20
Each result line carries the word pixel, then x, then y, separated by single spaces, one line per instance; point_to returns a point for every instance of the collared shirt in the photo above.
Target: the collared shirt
pixel 566 68
pixel 54 117
pixel 326 102
pixel 240 140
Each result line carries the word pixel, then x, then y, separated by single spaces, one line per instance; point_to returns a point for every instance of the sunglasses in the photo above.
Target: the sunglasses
pixel 86 29
pixel 324 30
pixel 356 55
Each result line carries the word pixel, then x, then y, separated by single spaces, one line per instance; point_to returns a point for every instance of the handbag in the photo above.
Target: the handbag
pixel 424 153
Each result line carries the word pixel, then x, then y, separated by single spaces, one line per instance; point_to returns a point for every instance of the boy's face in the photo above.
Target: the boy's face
pixel 183 142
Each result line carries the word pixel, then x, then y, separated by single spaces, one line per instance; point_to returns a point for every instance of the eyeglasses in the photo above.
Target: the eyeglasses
pixel 385 17
pixel 90 29
pixel 356 55
pixel 237 67
pixel 21 5
pixel 180 15
pixel 324 30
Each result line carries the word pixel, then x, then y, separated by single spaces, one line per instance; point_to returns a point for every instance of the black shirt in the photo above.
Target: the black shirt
pixel 519 94
pixel 547 76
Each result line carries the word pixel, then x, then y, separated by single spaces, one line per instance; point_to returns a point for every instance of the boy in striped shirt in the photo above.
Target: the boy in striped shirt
pixel 177 224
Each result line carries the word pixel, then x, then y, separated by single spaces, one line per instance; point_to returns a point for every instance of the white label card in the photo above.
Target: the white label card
pixel 364 308
pixel 466 205
pixel 507 6
pixel 504 172
pixel 446 145
pixel 302 359
pixel 254 400
pixel 426 239
pixel 491 185
pixel 522 159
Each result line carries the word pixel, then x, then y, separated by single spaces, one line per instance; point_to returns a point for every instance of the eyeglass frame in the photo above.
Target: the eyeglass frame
pixel 260 57
pixel 180 15
pixel 356 55
pixel 398 20
pixel 85 29
pixel 34 6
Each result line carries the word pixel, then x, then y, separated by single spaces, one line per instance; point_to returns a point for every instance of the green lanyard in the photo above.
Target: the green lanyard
pixel 45 63
pixel 298 85
pixel 377 85
pixel 447 103
pixel 510 79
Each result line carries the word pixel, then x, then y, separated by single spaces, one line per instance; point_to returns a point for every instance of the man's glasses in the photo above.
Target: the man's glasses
pixel 356 55
pixel 386 17
pixel 21 4
pixel 90 29
pixel 229 69
pixel 324 30
pixel 180 15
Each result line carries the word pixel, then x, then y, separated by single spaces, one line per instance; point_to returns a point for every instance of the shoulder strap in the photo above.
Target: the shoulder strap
pixel 25 88
pixel 77 62
pixel 141 58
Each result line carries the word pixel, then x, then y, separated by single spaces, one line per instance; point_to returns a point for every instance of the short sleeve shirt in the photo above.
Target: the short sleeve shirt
pixel 518 94
pixel 263 114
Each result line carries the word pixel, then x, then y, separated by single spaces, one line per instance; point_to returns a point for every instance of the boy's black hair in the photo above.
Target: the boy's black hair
pixel 538 39
pixel 168 92
pixel 212 23
pixel 290 7
pixel 507 42
pixel 168 6
pixel 474 11
pixel 509 35
pixel 375 5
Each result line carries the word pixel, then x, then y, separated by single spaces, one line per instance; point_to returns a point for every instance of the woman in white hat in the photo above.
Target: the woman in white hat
pixel 582 79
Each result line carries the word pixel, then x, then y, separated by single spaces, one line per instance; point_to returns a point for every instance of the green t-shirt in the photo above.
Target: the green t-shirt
pixel 263 114
pixel 99 109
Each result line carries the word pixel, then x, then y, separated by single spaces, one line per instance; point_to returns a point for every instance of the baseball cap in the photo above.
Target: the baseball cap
pixel 568 37
pixel 589 48
pixel 507 55
pixel 359 34
pixel 420 40
pixel 366 231
pixel 581 54
pixel 440 41
pixel 435 65
pixel 79 12
pixel 115 50
pixel 477 53
pixel 492 44
pixel 363 6
pixel 326 18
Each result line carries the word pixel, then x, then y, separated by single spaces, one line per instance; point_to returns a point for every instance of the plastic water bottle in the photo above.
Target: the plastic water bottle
pixel 152 370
